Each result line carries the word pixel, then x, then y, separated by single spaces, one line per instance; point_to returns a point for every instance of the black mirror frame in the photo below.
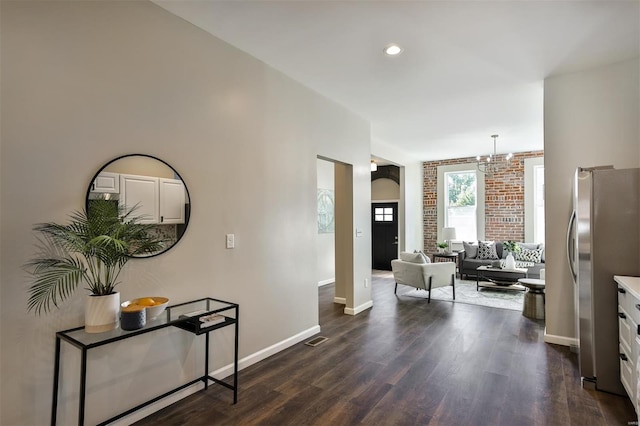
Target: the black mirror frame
pixel 187 217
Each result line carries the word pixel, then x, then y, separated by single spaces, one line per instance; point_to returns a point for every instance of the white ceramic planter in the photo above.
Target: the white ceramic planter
pixel 510 262
pixel 101 313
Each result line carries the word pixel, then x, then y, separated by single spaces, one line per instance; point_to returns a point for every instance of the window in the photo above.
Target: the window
pixel 461 194
pixel 538 196
pixel 383 214
pixel 460 204
pixel 534 222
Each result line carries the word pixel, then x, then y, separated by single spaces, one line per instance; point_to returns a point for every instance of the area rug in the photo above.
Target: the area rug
pixel 466 293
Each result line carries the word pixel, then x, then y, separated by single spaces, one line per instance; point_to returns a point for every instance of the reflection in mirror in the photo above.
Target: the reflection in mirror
pixel 153 187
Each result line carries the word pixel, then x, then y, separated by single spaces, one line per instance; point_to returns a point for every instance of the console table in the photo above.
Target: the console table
pixel 174 316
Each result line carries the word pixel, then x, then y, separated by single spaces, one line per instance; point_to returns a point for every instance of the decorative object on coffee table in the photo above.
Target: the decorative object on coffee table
pixel 511 247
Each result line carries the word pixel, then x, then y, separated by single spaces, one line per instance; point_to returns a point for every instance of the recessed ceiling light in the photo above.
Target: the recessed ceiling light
pixel 393 50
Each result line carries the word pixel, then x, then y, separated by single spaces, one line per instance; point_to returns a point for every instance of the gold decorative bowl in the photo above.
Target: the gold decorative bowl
pixel 153 306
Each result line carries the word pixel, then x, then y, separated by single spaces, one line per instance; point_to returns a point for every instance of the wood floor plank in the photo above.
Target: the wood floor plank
pixel 409 362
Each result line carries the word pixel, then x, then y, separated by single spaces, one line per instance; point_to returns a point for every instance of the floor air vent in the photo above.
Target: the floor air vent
pixel 316 341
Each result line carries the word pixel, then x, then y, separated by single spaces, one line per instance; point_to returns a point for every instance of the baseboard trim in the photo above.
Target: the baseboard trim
pixel 326 282
pixel 220 373
pixel 560 340
pixel 265 353
pixel 157 406
pixel 340 300
pixel 358 309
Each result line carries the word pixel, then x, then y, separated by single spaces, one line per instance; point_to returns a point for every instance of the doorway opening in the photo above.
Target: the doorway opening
pixel 386 216
pixel 335 228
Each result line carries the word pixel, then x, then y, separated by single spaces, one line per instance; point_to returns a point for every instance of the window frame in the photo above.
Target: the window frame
pixel 480 196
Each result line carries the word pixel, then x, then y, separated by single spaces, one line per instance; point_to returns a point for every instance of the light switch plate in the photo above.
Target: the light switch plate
pixel 231 241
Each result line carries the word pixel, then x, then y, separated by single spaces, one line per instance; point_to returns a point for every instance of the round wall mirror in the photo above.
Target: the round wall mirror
pixel 152 188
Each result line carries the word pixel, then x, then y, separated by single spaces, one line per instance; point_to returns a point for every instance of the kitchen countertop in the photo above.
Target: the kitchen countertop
pixel 631 284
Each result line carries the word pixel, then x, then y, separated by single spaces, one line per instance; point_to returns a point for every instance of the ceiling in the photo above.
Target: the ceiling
pixel 469 69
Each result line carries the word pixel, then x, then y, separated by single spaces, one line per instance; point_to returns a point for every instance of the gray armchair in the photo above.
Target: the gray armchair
pixel 412 270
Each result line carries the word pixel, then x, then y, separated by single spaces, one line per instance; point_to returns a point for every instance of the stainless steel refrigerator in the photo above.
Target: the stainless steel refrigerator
pixel 602 241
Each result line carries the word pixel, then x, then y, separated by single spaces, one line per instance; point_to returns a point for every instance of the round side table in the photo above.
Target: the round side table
pixel 533 306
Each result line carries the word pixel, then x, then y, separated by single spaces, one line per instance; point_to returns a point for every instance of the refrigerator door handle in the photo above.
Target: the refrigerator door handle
pixel 570 249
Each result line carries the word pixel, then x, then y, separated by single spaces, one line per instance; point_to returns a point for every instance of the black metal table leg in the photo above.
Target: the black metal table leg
pixel 206 362
pixel 235 358
pixel 56 378
pixel 83 387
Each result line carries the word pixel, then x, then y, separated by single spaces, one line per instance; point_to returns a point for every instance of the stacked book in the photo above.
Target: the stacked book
pixel 213 319
pixel 205 320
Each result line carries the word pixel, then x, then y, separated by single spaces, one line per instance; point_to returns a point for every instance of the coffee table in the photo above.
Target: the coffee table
pixel 501 278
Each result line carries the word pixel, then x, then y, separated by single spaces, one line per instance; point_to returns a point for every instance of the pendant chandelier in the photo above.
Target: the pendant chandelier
pixel 492 163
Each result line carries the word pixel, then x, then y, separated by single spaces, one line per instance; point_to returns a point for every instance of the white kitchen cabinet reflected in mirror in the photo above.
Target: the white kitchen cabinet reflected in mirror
pixel 153 187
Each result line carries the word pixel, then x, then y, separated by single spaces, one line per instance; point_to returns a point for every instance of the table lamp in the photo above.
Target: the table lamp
pixel 448 234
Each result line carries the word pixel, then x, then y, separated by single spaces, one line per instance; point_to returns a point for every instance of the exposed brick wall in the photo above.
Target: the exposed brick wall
pixel 504 199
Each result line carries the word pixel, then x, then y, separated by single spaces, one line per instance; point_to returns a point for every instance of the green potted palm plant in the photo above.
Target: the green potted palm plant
pixel 92 248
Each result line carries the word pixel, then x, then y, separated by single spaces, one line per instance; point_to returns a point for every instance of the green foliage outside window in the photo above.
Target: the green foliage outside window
pixel 462 189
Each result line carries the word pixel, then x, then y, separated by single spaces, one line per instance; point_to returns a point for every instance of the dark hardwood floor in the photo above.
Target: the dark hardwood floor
pixel 406 362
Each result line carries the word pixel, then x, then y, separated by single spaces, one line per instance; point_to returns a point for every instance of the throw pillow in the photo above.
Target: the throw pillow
pixel 470 249
pixel 528 246
pixel 487 251
pixel 530 255
pixel 426 258
pixel 412 257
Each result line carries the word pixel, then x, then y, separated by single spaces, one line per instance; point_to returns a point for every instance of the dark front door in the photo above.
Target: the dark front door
pixel 384 219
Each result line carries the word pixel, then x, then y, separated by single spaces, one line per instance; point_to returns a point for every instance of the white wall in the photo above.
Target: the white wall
pixel 410 208
pixel 591 119
pixel 85 82
pixel 326 242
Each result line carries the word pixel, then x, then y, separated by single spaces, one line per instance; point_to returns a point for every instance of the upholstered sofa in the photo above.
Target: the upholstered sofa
pixel 469 259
